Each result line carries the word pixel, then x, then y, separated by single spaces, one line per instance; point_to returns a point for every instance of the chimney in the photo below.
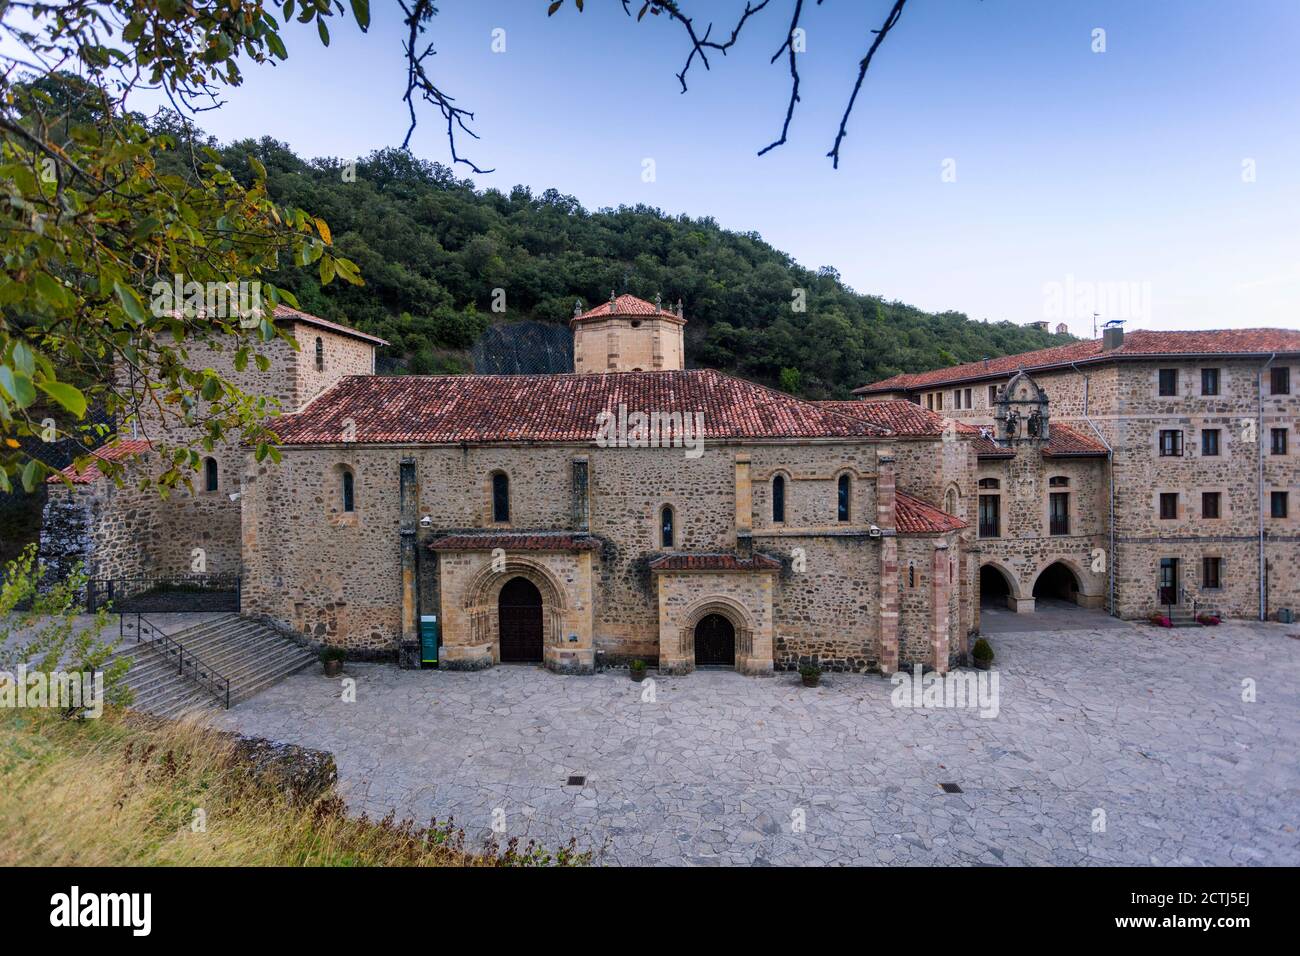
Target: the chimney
pixel 1112 337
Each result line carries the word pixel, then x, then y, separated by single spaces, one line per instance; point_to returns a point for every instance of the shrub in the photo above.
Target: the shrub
pixel 982 651
pixel 328 654
pixel 637 665
pixel 1161 620
pixel 809 670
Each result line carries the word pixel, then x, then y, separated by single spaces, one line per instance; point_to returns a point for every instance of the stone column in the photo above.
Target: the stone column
pixel 409 650
pixel 744 507
pixel 940 589
pixel 886 521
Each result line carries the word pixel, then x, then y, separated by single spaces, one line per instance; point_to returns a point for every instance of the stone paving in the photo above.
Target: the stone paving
pixel 1144 724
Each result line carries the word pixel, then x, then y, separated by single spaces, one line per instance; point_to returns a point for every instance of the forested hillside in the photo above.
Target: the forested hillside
pixel 432 249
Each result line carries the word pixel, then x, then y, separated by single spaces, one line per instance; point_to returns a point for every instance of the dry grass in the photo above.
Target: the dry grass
pixel 120 792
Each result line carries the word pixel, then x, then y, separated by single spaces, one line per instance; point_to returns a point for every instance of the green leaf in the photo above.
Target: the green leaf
pixel 210 389
pixel 66 395
pixel 24 361
pixel 19 387
pixel 326 270
pixel 550 11
pixel 32 474
pixel 323 31
pixel 131 303
pixel 276 46
pixel 258 169
pixel 361 10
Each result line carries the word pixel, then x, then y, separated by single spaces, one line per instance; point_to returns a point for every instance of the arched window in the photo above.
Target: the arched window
pixel 990 483
pixel 778 499
pixel 500 497
pixel 210 474
pixel 320 355
pixel 911 574
pixel 666 526
pixel 842 505
pixel 950 501
pixel 348 483
pixel 1058 481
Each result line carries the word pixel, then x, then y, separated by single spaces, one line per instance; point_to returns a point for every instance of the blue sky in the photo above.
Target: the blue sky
pixel 1121 169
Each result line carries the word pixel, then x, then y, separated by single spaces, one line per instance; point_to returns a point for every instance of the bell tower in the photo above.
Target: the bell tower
pixel 627 334
pixel 1020 412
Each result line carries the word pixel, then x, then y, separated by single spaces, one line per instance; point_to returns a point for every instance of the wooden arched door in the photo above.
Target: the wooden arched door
pixel 519 620
pixel 715 641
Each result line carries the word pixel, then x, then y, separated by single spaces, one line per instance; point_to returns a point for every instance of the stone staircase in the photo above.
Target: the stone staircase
pixel 250 655
pixel 1181 615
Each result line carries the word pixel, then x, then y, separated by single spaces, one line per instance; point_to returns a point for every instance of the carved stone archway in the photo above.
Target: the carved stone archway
pixel 482 596
pixel 726 607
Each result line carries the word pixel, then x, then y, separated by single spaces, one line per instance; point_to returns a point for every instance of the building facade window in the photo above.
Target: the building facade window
pixel 990 516
pixel 929 402
pixel 1168 591
pixel 1171 443
pixel 1209 381
pixel 500 497
pixel 1210 442
pixel 1210 504
pixel 1168 505
pixel 844 486
pixel 1278 444
pixel 968 397
pixel 1168 381
pixel 1279 505
pixel 1280 380
pixel 1059 512
pixel 993 395
pixel 666 526
pixel 956 398
pixel 348 481
pixel 210 476
pixel 778 499
pixel 1211 569
pixel 320 355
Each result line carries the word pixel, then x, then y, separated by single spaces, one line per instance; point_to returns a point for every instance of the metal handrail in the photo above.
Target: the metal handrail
pixel 112 590
pixel 202 674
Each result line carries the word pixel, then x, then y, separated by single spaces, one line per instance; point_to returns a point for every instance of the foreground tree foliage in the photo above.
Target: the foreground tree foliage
pixel 91 218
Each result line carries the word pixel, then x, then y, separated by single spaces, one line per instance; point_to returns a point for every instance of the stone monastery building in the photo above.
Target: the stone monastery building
pixel 637 509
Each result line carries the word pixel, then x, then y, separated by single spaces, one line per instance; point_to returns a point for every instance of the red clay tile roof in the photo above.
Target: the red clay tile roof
pixel 451 409
pixel 1137 344
pixel 515 541
pixel 285 314
pixel 1066 440
pixel 626 305
pixel 714 562
pixel 914 516
pixel 124 449
pixel 900 416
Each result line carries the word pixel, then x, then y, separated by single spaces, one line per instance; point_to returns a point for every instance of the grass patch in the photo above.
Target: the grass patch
pixel 121 791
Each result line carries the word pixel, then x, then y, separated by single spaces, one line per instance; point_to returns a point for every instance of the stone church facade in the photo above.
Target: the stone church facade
pixel 637 510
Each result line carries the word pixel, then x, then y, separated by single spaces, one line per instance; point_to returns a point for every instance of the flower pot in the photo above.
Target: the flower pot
pixel 637 675
pixel 810 680
pixel 981 663
pixel 333 667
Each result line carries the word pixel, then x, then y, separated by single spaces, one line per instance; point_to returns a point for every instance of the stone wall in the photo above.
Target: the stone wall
pixel 628 343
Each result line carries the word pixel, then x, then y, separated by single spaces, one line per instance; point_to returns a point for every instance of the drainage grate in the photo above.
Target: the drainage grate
pixel 950 788
pixel 576 780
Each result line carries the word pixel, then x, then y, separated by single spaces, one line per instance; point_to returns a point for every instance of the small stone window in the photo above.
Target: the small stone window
pixel 347 485
pixel 1168 381
pixel 842 503
pixel 1171 443
pixel 990 483
pixel 1210 504
pixel 778 499
pixel 1278 502
pixel 1168 505
pixel 667 522
pixel 1280 380
pixel 210 482
pixel 500 497
pixel 1209 381
pixel 1278 445
pixel 1210 442
pixel 1211 573
pixel 320 355
pixel 1058 481
pixel 911 574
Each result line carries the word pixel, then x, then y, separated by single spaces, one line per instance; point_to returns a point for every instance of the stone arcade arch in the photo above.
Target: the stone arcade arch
pixel 483 602
pixel 998 586
pixel 1063 580
pixel 728 609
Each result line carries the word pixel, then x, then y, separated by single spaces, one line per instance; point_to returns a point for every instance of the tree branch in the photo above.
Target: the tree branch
pixel 888 25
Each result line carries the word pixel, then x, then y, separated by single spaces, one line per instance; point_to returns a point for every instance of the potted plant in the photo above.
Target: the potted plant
pixel 332 658
pixel 1161 620
pixel 982 654
pixel 1209 620
pixel 811 674
pixel 637 670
